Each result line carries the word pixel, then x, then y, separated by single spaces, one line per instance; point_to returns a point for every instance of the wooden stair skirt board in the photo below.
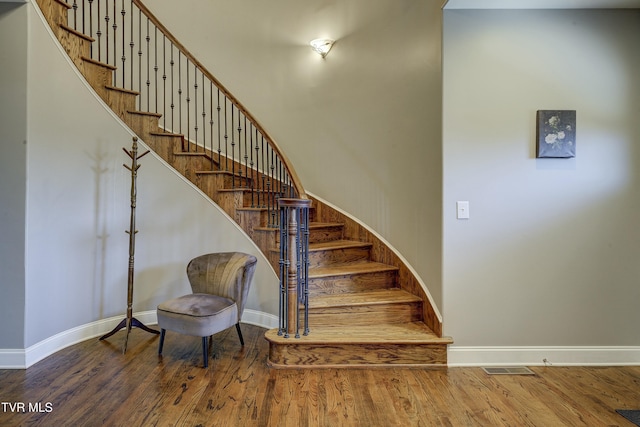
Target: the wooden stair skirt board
pixel 407 345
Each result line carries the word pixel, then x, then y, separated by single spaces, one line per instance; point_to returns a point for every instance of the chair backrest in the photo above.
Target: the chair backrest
pixel 227 274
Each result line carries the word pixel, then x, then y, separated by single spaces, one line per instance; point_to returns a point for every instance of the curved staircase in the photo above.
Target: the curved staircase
pixel 366 306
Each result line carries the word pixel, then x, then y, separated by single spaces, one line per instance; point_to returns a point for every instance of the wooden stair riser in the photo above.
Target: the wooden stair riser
pixel 188 164
pixel 254 198
pixel 231 202
pixel 351 283
pixel 55 12
pixel 299 354
pixel 98 75
pixel 325 233
pixel 121 101
pixel 251 218
pixel 165 144
pixel 222 180
pixel 363 315
pixel 264 238
pixel 76 44
pixel 144 124
pixel 327 257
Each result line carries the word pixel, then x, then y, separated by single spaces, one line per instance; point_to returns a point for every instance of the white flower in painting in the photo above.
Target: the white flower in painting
pixel 568 127
pixel 551 138
pixel 561 135
pixel 554 120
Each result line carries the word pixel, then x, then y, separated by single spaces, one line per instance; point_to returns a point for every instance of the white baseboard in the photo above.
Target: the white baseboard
pixel 23 358
pixel 259 318
pixel 540 356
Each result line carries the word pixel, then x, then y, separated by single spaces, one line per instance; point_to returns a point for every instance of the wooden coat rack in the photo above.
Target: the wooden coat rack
pixel 131 321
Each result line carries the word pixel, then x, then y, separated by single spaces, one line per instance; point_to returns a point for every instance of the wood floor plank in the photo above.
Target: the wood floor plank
pixel 93 384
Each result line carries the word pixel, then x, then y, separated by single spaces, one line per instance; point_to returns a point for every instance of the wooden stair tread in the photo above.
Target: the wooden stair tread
pixel 96 62
pixel 140 113
pixel 122 90
pixel 348 269
pixel 190 153
pixel 166 134
pixel 337 244
pixel 384 296
pixel 313 225
pixel 405 333
pixel 231 190
pixel 77 33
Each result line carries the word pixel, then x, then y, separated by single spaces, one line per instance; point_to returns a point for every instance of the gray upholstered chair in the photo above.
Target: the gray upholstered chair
pixel 220 284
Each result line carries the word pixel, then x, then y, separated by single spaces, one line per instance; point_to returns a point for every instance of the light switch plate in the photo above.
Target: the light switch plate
pixel 462 210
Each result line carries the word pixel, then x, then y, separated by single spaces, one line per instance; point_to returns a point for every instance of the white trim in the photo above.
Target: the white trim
pixel 398 254
pixel 260 318
pixel 541 356
pixel 23 358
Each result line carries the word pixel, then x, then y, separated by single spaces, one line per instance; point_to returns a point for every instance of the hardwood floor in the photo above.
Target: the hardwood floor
pixel 93 383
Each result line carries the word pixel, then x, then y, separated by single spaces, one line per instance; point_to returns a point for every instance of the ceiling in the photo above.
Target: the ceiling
pixel 542 4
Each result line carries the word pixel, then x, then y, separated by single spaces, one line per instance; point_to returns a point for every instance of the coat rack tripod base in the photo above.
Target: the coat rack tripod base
pixel 130 321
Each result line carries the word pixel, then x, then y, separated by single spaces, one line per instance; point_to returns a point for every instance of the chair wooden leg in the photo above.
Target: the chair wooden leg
pixel 205 351
pixel 162 332
pixel 239 333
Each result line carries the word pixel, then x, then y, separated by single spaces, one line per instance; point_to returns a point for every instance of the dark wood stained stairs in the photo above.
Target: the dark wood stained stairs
pixel 366 307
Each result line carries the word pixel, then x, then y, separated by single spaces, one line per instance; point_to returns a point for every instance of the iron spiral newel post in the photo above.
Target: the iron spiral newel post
pixel 294 266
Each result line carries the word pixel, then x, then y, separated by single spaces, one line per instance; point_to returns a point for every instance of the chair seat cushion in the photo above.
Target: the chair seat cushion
pixel 197 314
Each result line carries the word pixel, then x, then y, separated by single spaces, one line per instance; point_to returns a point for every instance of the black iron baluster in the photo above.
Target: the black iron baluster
pixel 75 14
pixel 90 26
pixel 164 82
pixel 148 82
pixel 226 138
pixel 265 195
pixel 204 118
pixel 251 164
pixel 269 189
pixel 195 105
pixel 219 134
pixel 180 92
pixel 233 150
pixel 114 26
pixel 155 66
pixel 124 57
pixel 106 30
pixel 131 42
pixel 173 105
pixel 211 122
pixel 246 155
pixel 188 99
pixel 99 34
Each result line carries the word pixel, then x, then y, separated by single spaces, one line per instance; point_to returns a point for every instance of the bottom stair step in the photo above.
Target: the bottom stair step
pixel 410 344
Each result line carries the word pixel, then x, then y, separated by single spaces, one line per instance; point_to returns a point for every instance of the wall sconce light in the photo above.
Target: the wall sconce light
pixel 321 46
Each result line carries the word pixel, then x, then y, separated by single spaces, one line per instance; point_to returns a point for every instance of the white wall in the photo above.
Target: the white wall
pixel 363 126
pixel 78 210
pixel 549 256
pixel 13 172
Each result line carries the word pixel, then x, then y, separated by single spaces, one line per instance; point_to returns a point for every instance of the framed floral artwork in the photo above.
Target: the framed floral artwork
pixel 556 133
